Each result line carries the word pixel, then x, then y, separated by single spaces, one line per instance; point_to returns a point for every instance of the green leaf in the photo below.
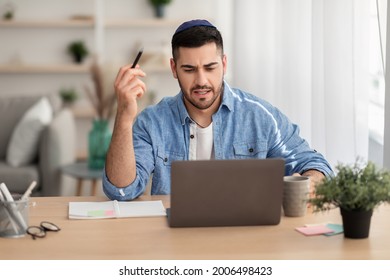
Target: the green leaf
pixel 354 187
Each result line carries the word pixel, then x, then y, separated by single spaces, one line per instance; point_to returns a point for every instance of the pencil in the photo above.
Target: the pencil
pixel 137 57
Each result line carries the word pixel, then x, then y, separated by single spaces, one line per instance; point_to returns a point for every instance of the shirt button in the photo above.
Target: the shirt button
pixel 166 159
pixel 192 136
pixel 251 150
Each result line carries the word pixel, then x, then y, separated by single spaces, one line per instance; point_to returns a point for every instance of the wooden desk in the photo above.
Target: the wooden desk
pixel 151 238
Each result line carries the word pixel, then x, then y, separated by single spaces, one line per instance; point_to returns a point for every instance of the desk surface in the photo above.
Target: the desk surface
pixel 151 238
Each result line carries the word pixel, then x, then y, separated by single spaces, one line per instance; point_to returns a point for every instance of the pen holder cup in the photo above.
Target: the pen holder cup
pixel 14 217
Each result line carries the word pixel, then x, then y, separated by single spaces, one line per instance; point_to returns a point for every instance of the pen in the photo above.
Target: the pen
pixel 13 211
pixel 1 196
pixel 6 194
pixel 29 190
pixel 10 218
pixel 137 57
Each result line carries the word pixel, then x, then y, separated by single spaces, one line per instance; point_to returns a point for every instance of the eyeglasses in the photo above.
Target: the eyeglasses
pixel 40 231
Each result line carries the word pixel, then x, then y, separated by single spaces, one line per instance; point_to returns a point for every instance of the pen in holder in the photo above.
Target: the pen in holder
pixel 13 214
pixel 13 218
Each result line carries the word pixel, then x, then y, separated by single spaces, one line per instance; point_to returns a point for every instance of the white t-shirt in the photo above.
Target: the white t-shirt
pixel 201 142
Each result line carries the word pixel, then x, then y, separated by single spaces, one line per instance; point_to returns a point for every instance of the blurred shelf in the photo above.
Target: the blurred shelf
pixel 47 23
pixel 66 69
pixel 49 68
pixel 150 22
pixel 156 69
pixel 65 23
pixel 83 112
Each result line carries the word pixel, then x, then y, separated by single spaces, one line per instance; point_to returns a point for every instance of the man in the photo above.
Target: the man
pixel 206 120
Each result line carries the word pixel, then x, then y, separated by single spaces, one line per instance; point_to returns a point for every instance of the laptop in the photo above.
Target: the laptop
pixel 238 192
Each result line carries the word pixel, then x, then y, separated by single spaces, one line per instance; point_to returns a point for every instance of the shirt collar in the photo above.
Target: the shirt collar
pixel 227 101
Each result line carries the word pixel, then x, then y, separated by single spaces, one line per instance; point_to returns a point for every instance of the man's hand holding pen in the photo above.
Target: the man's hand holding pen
pixel 129 87
pixel 120 160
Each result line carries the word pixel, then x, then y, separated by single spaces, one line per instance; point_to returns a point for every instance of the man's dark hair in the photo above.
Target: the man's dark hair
pixel 195 37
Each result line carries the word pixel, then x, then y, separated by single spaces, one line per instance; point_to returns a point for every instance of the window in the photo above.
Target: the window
pixel 377 80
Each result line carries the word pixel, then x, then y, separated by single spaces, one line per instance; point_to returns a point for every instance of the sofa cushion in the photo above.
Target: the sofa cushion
pixel 23 145
pixel 12 108
pixel 11 111
pixel 18 179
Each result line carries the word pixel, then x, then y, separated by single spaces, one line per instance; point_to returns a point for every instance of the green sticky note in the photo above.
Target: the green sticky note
pixel 337 229
pixel 100 213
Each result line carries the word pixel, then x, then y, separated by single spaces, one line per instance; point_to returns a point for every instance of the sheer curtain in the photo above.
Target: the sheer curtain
pixel 310 59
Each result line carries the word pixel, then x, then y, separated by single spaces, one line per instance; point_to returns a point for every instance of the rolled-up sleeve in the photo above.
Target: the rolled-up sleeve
pixel 113 192
pixel 288 144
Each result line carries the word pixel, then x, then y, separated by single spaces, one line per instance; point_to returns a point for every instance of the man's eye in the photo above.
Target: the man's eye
pixel 189 70
pixel 209 69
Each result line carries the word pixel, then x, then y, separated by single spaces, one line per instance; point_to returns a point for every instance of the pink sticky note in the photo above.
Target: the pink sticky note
pixel 109 213
pixel 314 230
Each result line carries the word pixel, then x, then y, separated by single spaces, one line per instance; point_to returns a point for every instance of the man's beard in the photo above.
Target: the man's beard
pixel 202 105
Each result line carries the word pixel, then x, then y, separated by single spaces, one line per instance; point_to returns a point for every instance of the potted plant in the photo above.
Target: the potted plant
pixel 357 190
pixel 159 7
pixel 78 50
pixel 68 95
pixel 9 11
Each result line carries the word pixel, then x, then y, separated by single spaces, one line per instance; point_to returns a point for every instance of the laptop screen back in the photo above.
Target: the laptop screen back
pixel 226 192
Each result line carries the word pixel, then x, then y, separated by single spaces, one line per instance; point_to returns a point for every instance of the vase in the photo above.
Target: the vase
pixel 159 11
pixel 356 223
pixel 99 139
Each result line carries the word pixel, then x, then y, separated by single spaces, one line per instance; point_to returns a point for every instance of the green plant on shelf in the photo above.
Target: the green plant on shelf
pixel 68 95
pixel 78 50
pixel 9 11
pixel 159 7
pixel 160 2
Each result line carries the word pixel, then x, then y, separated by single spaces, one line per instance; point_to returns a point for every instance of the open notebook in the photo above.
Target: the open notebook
pixel 115 209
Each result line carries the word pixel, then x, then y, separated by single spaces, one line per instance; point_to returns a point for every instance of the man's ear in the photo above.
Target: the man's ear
pixel 224 63
pixel 173 68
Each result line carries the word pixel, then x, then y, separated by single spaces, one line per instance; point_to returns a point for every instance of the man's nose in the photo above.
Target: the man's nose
pixel 201 78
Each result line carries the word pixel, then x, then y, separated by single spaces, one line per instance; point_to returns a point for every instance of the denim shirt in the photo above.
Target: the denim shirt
pixel 244 127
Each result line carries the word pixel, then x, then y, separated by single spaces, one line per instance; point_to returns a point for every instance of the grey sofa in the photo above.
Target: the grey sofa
pixel 56 146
